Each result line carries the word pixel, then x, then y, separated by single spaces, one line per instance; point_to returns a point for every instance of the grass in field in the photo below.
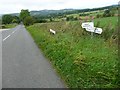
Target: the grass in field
pixel 82 61
pixel 74 15
pixel 112 21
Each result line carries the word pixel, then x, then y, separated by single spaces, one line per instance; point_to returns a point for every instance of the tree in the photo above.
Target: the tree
pixel 107 13
pixel 75 18
pixel 24 14
pixel 16 19
pixel 40 21
pixel 28 21
pixel 51 19
pixel 7 19
pixel 26 18
pixel 70 18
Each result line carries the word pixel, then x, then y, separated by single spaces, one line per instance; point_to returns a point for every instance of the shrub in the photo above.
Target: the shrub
pixel 28 21
pixel 98 16
pixel 108 31
pixel 7 19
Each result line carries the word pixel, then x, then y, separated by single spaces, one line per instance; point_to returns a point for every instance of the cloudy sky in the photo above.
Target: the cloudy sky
pixel 14 6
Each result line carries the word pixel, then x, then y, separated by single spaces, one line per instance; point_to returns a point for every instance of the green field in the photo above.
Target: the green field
pixel 81 60
pixel 112 21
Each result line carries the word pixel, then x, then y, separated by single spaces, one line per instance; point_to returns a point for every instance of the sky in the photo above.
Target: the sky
pixel 15 6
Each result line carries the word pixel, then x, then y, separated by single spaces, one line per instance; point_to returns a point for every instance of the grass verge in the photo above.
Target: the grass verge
pixel 10 26
pixel 82 61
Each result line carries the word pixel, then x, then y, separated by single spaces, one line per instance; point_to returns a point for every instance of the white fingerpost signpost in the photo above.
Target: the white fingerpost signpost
pixel 98 30
pixel 89 26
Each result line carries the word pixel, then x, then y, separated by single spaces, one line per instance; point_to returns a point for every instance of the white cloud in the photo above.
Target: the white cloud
pixel 13 6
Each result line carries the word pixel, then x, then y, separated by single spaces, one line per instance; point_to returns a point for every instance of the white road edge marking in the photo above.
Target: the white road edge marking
pixel 8 36
pixel 13 32
pixel 4 29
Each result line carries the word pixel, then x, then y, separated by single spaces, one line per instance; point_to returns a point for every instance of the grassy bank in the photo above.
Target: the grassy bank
pixel 82 61
pixel 9 26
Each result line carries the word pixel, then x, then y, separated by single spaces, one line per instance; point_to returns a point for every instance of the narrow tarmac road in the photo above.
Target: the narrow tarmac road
pixel 23 65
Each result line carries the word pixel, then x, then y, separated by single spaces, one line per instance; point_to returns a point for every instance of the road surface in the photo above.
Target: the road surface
pixel 23 64
pixel 0 60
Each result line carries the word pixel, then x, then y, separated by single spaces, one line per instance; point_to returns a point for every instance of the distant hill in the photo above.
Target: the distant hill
pixel 47 12
pixel 66 11
pixel 15 14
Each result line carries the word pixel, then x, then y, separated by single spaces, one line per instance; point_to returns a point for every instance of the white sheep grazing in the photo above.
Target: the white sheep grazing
pixel 52 31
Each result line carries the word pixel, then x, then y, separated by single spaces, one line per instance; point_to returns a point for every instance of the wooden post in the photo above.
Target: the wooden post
pixel 92 33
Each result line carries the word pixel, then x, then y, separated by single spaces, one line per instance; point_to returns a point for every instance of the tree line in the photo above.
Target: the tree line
pixel 24 17
pixel 27 19
pixel 8 19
